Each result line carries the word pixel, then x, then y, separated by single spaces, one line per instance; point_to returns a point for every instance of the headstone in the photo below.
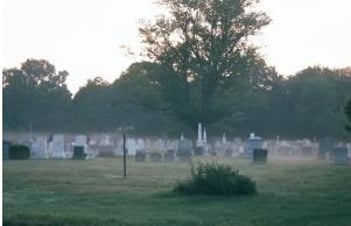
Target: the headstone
pixel 199 150
pixel 57 147
pixel 19 152
pixel 326 145
pixel 131 146
pixel 252 143
pixel 260 155
pixel 340 155
pixel 106 151
pixel 228 152
pixel 40 148
pixel 81 140
pixel 199 141
pixel 307 151
pixel 6 149
pixel 156 157
pixel 140 145
pixel 79 152
pixel 105 141
pixel 140 156
pixel 159 145
pixel 184 150
pixel 169 156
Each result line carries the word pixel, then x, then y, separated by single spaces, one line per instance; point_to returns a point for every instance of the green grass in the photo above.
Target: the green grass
pixel 68 192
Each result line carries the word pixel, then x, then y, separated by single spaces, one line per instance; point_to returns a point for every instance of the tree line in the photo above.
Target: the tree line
pixel 148 96
pixel 200 67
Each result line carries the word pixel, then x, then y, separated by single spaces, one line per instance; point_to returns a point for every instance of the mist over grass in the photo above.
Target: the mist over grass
pixel 66 192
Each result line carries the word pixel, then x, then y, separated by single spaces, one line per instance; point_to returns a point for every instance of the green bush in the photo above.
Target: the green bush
pixel 18 151
pixel 216 179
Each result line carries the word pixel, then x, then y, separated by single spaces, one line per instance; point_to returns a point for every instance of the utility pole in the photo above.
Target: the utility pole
pixel 124 129
pixel 124 154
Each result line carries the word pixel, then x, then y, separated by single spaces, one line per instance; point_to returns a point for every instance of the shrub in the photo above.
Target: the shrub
pixel 18 151
pixel 216 179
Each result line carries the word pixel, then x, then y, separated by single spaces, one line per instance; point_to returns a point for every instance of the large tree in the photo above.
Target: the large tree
pixel 35 95
pixel 205 43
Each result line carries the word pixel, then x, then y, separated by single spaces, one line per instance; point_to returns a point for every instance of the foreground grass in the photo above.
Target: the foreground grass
pixel 67 192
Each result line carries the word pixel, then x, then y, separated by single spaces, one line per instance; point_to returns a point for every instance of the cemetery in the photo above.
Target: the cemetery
pixel 70 146
pixel 284 172
pixel 174 112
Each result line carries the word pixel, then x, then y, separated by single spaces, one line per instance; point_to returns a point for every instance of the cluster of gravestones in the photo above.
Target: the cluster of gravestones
pixel 43 148
pixel 183 153
pixel 170 150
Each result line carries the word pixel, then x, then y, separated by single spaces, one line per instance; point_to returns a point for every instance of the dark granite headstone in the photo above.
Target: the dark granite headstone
pixel 156 157
pixel 260 155
pixel 326 145
pixel 140 156
pixel 251 144
pixel 228 152
pixel 184 150
pixel 6 149
pixel 306 151
pixel 79 152
pixel 106 151
pixel 19 152
pixel 169 156
pixel 340 155
pixel 199 151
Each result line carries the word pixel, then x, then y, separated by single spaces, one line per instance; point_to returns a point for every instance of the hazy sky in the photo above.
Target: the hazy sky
pixel 84 36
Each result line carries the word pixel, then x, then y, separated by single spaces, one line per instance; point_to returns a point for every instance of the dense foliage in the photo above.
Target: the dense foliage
pixel 216 179
pixel 150 97
pixel 205 44
pixel 18 151
pixel 35 96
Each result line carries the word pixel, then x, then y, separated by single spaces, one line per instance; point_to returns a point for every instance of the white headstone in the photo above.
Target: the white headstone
pixel 39 148
pixel 131 145
pixel 224 139
pixel 58 147
pixel 81 140
pixel 140 145
pixel 199 142
pixel 105 141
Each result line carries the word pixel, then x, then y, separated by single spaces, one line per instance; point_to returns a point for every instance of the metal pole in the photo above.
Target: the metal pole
pixel 124 155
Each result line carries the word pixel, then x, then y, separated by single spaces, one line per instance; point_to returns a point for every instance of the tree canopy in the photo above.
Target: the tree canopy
pixel 35 95
pixel 153 99
pixel 204 43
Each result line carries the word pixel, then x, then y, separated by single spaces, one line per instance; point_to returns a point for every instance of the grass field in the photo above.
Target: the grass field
pixel 68 192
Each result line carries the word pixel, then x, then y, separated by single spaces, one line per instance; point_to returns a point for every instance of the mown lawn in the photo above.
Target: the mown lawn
pixel 69 192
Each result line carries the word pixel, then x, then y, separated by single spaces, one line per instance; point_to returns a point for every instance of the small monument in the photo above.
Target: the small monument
pixel 252 143
pixel 6 149
pixel 201 140
pixel 80 147
pixel 326 145
pixel 39 148
pixel 260 155
pixel 57 146
pixel 184 149
pixel 341 156
pixel 131 146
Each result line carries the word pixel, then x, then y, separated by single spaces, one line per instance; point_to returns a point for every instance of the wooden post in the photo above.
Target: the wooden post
pixel 124 155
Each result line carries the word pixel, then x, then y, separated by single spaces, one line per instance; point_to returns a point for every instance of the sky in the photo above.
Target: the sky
pixel 85 37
